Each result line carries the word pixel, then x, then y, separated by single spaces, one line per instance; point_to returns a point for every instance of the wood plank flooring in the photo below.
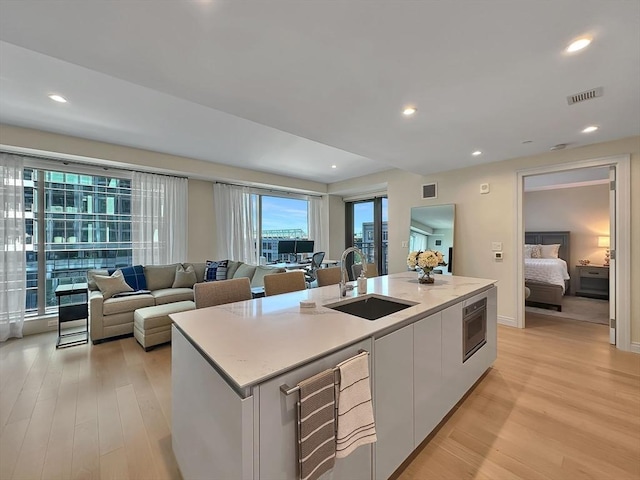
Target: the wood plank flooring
pixel 559 403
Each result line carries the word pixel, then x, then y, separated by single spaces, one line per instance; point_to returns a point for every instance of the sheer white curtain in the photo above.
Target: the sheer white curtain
pixel 318 230
pixel 159 219
pixel 235 231
pixel 13 274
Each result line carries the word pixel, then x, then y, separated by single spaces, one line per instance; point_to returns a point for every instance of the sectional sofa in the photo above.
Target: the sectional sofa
pixel 114 316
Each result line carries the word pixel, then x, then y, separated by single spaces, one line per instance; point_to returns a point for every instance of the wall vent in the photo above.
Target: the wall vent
pixel 587 95
pixel 430 190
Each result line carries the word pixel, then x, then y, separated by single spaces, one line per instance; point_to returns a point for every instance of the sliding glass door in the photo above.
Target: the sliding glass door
pixel 366 229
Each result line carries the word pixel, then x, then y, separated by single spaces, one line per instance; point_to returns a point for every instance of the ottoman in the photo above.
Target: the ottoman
pixel 152 325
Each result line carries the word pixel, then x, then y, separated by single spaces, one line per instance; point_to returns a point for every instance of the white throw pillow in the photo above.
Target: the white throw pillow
pixel 550 251
pixel 532 251
pixel 110 285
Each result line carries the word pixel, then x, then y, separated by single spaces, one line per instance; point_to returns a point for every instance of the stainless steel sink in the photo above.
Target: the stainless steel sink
pixel 371 307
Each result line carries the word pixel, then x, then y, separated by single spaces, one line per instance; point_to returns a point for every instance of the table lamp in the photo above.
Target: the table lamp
pixel 604 243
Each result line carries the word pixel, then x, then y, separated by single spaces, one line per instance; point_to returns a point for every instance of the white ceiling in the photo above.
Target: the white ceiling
pixel 293 87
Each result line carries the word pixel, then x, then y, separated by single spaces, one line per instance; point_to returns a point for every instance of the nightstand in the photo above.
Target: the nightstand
pixel 593 281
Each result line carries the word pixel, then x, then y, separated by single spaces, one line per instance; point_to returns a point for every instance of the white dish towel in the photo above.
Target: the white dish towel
pixel 356 425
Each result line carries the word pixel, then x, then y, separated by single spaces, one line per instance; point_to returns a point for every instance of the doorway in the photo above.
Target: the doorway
pixel 620 234
pixel 367 229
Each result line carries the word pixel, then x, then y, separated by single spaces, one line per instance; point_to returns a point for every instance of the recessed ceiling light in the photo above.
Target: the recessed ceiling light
pixel 57 98
pixel 476 153
pixel 579 44
pixel 590 129
pixel 408 111
pixel 334 166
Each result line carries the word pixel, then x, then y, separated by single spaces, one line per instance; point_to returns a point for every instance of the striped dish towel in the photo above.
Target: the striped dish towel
pixel 355 412
pixel 316 425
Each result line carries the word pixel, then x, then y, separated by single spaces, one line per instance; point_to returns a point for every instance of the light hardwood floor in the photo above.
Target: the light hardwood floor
pixel 559 403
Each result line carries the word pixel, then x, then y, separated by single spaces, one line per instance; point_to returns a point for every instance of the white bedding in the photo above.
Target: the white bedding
pixel 546 270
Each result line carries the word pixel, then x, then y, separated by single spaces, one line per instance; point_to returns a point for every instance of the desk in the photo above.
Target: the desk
pixel 304 265
pixel 70 312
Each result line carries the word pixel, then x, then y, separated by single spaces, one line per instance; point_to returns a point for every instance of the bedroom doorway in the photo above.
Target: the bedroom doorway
pixel 612 224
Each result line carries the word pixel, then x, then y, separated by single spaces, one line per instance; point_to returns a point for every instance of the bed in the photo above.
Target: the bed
pixel 547 279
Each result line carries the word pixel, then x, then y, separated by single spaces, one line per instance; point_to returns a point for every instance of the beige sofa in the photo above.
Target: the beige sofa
pixel 114 317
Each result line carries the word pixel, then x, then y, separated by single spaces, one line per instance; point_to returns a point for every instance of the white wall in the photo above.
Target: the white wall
pixel 583 211
pixel 481 219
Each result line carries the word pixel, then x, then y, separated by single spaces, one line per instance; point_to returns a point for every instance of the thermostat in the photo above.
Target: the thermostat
pixel 484 188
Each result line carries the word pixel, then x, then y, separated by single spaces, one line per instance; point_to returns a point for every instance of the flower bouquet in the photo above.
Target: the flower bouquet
pixel 424 262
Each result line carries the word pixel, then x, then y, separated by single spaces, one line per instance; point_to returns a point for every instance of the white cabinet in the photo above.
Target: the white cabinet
pixel 458 376
pixel 393 404
pixel 200 439
pixel 278 425
pixel 429 407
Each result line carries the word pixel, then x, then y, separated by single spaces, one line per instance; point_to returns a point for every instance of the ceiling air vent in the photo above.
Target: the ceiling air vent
pixel 582 96
pixel 429 190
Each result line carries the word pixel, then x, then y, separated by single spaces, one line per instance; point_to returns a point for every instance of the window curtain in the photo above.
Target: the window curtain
pixel 159 219
pixel 317 227
pixel 235 230
pixel 13 274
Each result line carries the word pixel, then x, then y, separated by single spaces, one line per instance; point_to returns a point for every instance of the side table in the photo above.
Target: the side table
pixel 71 312
pixel 593 281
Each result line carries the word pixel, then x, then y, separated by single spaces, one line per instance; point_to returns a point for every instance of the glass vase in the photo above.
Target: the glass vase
pixel 425 276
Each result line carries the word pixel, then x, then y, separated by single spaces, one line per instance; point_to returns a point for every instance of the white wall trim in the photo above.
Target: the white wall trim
pixel 508 321
pixel 623 238
pixel 635 347
pixel 567 185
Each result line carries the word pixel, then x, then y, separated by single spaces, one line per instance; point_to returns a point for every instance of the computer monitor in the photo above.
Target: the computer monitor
pixel 286 246
pixel 304 246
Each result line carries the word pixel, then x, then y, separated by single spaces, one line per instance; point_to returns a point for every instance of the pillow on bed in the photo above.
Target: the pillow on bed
pixel 532 251
pixel 549 251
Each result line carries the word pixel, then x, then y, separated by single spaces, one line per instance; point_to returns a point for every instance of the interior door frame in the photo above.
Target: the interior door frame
pixel 622 238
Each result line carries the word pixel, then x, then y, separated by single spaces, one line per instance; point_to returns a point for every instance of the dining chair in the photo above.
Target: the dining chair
pixel 328 276
pixel 209 294
pixel 278 283
pixel 372 270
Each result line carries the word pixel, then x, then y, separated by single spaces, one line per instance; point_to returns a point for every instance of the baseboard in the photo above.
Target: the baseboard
pixel 508 321
pixel 635 347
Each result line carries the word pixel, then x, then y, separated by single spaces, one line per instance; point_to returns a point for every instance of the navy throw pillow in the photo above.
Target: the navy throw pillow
pixel 134 276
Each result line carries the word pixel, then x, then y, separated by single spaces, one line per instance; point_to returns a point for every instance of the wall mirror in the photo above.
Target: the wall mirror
pixel 432 229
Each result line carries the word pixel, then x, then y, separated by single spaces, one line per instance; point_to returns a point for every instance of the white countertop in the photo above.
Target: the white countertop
pixel 258 339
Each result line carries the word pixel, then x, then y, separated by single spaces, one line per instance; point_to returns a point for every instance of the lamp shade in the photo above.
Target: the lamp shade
pixel 603 242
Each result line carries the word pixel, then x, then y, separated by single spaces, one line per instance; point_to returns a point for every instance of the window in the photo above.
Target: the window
pixel 281 218
pixel 74 222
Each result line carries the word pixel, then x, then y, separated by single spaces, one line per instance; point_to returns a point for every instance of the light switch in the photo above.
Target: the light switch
pixel 405 244
pixel 496 246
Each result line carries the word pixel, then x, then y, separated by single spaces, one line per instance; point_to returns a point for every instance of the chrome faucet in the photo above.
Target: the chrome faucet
pixel 344 276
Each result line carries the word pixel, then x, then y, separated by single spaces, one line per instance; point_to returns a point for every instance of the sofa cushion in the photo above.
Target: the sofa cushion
pixel 158 316
pixel 232 266
pixel 134 276
pixel 109 285
pixel 170 295
pixel 91 283
pixel 261 271
pixel 215 270
pixel 185 277
pixel 245 270
pixel 112 306
pixel 199 269
pixel 160 276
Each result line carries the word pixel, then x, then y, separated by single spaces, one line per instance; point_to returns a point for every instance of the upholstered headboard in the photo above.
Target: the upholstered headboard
pixel 550 238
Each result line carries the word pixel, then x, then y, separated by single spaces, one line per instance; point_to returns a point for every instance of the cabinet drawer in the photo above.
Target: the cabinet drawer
pixel 594 272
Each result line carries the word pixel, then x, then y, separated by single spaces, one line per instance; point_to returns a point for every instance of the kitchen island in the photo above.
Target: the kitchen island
pixel 230 418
